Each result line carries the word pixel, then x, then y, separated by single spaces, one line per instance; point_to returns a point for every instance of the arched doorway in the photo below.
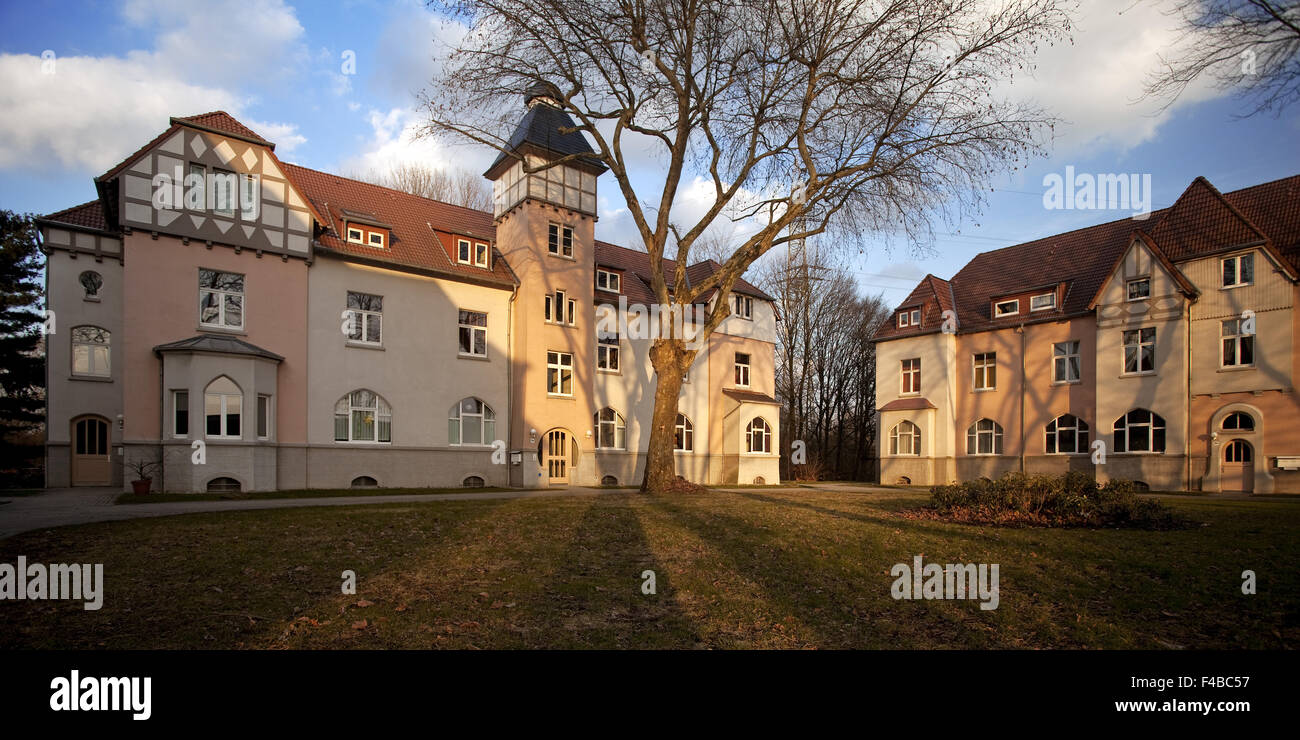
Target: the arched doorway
pixel 91 461
pixel 1238 467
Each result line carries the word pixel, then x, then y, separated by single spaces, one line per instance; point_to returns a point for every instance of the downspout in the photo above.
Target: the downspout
pixel 1023 439
pixel 1187 407
pixel 510 386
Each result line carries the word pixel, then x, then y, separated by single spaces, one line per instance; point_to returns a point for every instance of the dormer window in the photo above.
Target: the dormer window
pixel 480 254
pixel 355 235
pixel 909 317
pixel 608 281
pixel 1006 308
pixel 376 239
pixel 1042 302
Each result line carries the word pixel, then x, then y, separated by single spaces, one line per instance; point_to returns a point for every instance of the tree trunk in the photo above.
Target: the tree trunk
pixel 670 359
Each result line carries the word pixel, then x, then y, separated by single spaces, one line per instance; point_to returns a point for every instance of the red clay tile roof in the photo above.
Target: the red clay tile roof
pixel 412 241
pixel 749 396
pixel 635 266
pixel 1202 221
pixel 88 215
pixel 219 120
pixel 907 404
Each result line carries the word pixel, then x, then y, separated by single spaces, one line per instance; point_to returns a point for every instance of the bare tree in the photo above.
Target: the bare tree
pixel 1251 45
pixel 846 117
pixel 456 186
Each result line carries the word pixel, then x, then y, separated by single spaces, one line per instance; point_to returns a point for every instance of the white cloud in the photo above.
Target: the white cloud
pixel 395 140
pixel 1093 83
pixel 92 112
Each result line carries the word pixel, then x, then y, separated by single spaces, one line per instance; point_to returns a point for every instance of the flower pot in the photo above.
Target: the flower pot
pixel 141 487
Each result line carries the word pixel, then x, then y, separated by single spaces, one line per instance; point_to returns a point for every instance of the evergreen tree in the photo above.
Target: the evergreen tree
pixel 22 363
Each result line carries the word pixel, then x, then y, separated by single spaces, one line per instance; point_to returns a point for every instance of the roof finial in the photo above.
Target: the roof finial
pixel 542 92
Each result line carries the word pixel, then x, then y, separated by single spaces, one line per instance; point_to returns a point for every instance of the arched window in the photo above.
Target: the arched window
pixel 364 481
pixel 90 351
pixel 1066 435
pixel 1140 430
pixel 611 432
pixel 758 436
pixel 473 481
pixel 984 437
pixel 223 407
pixel 1239 421
pixel 362 416
pixel 91 282
pixel 683 434
pixel 224 485
pixel 471 422
pixel 905 439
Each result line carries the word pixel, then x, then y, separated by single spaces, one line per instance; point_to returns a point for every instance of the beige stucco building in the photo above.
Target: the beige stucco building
pixel 257 325
pixel 1161 351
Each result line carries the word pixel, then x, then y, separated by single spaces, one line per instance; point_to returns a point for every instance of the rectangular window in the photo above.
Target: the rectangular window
pixel 916 317
pixel 607 353
pixel 196 198
pixel 1066 364
pixel 263 417
pixel 1042 302
pixel 222 412
pixel 91 351
pixel 1139 289
pixel 224 192
pixel 986 370
pixel 560 309
pixel 248 199
pixel 1140 350
pixel 904 319
pixel 473 333
pixel 608 281
pixel 180 413
pixel 742 370
pixel 221 299
pixel 744 307
pixel 559 373
pixel 480 254
pixel 355 236
pixel 560 240
pixel 463 251
pixel 365 318
pixel 912 376
pixel 1238 346
pixel 376 239
pixel 1006 308
pixel 1238 270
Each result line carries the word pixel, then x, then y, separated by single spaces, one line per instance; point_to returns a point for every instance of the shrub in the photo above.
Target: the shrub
pixel 1072 499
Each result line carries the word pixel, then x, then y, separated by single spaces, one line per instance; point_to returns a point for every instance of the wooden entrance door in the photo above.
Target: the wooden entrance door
pixel 557 456
pixel 90 452
pixel 1238 473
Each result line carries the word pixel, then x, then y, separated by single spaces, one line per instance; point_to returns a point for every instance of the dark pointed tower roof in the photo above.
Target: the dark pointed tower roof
pixel 546 130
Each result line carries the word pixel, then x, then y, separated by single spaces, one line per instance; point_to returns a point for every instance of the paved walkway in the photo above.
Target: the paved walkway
pixel 59 507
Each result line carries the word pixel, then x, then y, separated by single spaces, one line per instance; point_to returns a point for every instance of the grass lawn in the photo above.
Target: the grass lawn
pixel 163 498
pixel 749 569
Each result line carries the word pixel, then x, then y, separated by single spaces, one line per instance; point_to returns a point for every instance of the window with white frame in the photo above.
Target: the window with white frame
pixel 912 376
pixel 1042 302
pixel 91 351
pixel 561 309
pixel 742 370
pixel 744 306
pixel 1138 289
pixel 1140 350
pixel 471 422
pixel 683 434
pixel 473 333
pixel 248 197
pixel 1238 346
pixel 365 318
pixel 611 431
pixel 984 437
pixel 985 368
pixel 480 254
pixel 1238 270
pixel 225 191
pixel 904 319
pixel 356 235
pixel 1067 365
pixel 375 239
pixel 180 414
pixel 608 281
pixel 1140 430
pixel 464 251
pixel 223 407
pixel 607 352
pixel 1006 308
pixel 758 436
pixel 196 182
pixel 263 416
pixel 363 416
pixel 221 299
pixel 559 240
pixel 559 373
pixel 905 439
pixel 1066 435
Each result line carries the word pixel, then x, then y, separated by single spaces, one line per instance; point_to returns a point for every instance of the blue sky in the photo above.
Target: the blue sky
pixel 121 68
